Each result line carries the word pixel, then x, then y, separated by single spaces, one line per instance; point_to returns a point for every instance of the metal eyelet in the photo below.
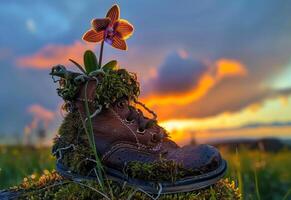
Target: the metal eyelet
pixel 140 131
pixel 120 104
pixel 129 121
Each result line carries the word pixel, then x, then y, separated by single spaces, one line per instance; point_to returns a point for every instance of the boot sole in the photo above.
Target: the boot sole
pixel 187 184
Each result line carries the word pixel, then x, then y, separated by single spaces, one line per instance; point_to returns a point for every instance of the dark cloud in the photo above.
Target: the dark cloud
pixel 176 75
pixel 272 124
pixel 275 124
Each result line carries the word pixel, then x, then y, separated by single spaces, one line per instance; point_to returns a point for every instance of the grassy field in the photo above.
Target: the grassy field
pixel 259 175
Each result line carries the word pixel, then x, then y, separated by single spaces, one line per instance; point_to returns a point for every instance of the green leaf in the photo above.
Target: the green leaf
pixel 111 65
pixel 78 65
pixel 90 61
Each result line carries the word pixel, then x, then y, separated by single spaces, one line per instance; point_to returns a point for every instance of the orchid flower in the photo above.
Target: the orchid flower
pixel 111 29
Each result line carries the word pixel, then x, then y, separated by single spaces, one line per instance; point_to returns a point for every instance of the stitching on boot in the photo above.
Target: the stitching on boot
pixel 119 118
pixel 128 145
pixel 116 146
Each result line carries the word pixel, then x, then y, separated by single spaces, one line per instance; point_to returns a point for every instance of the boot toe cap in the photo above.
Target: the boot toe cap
pixel 203 158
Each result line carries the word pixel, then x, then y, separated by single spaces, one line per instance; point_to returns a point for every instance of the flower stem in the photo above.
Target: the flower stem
pixel 101 54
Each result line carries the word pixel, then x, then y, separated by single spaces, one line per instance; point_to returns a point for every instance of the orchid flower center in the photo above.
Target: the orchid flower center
pixel 109 32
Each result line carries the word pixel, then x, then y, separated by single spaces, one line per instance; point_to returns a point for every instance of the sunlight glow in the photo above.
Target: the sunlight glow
pixel 271 111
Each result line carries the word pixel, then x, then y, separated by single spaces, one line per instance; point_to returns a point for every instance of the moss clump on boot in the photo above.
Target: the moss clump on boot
pixel 52 186
pixel 112 84
pixel 162 170
pixel 71 147
pixel 117 84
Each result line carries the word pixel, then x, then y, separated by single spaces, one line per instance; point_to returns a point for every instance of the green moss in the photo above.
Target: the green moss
pixel 72 146
pixel 162 170
pixel 113 84
pixel 52 186
pixel 68 89
pixel 117 84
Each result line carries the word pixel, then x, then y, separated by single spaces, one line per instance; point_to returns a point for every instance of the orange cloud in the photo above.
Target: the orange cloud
pixel 41 114
pixel 284 100
pixel 255 107
pixel 223 68
pixel 228 68
pixel 53 54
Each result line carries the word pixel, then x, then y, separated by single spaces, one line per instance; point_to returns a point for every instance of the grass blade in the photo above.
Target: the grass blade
pixel 257 186
pixel 287 194
pixel 90 134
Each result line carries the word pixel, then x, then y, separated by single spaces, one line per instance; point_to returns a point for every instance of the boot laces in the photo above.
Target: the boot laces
pixel 138 116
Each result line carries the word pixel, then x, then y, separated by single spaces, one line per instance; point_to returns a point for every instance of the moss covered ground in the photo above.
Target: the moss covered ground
pixel 50 185
pixel 258 174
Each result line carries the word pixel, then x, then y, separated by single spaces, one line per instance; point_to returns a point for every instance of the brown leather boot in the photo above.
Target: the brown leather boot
pixel 123 135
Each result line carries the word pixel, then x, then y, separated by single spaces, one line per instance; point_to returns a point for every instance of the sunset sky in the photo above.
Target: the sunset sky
pixel 218 69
